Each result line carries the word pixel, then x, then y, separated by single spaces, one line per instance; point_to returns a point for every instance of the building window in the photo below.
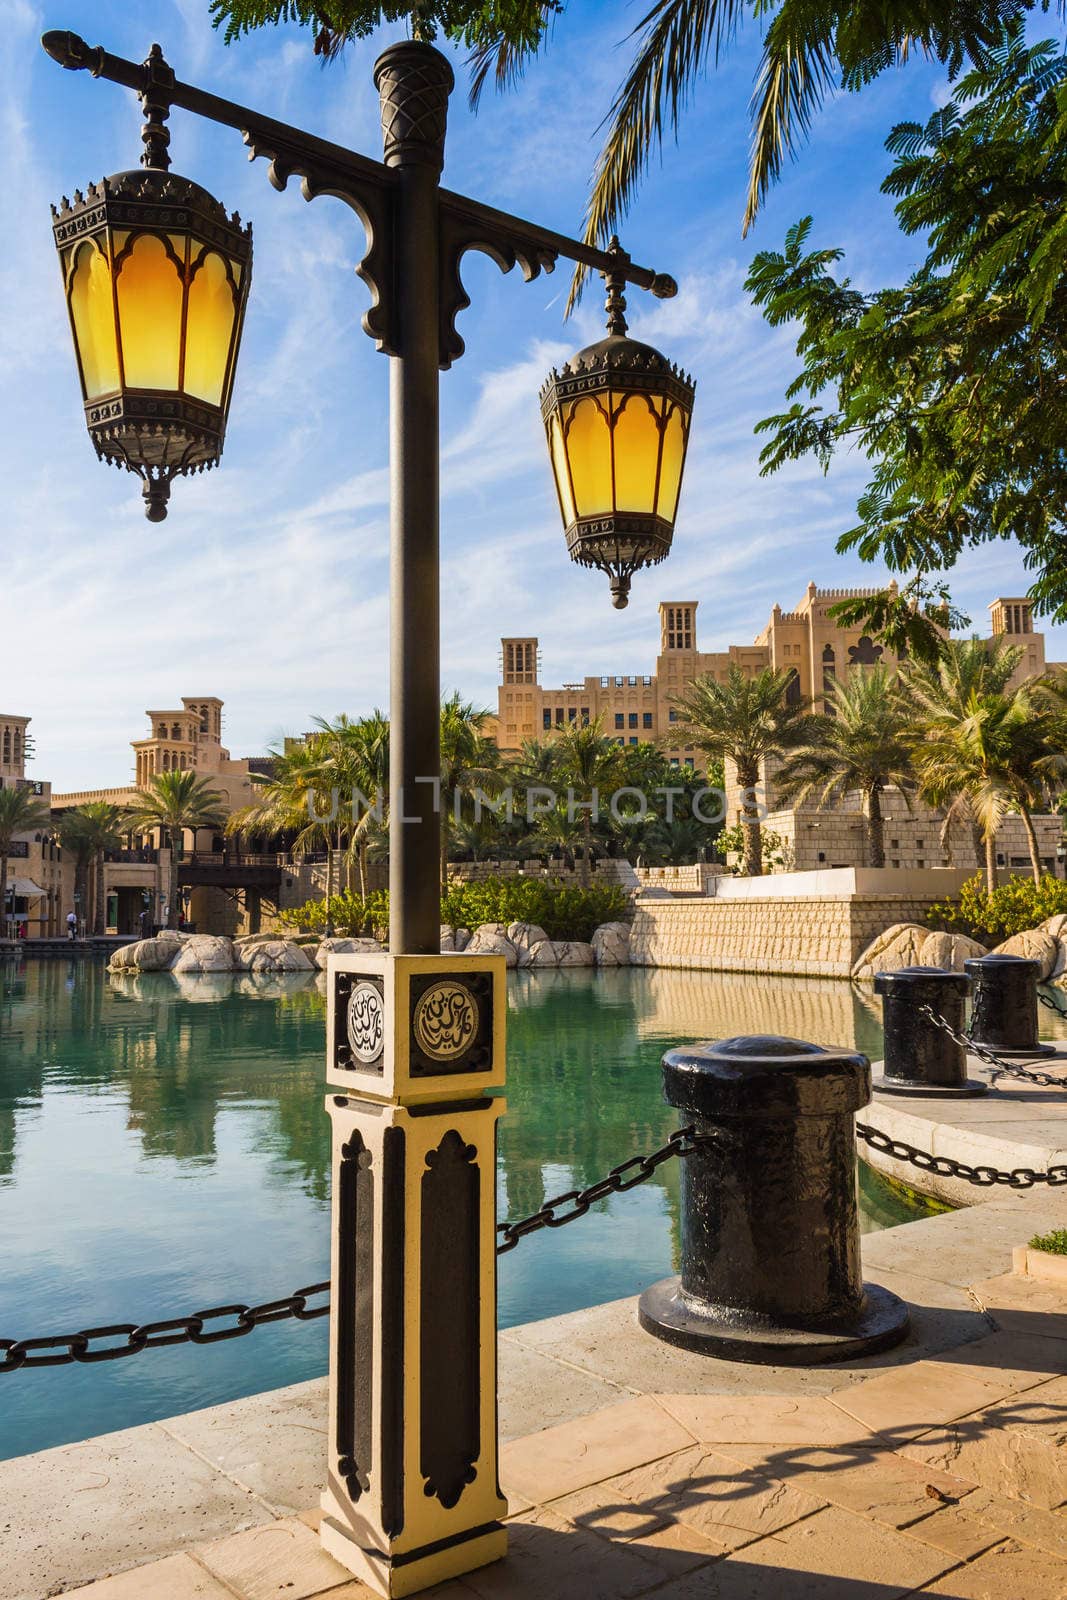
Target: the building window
pixel 829 676
pixel 604 682
pixel 585 716
pixel 620 720
pixel 918 846
pixel 620 683
pixel 559 716
pixel 920 862
pixel 572 713
pixel 894 863
pixel 632 719
pixel 689 762
pixel 894 844
pixel 792 688
pixel 646 719
pixel 647 681
pixel 635 741
pixel 672 715
pixel 546 719
pixel 674 761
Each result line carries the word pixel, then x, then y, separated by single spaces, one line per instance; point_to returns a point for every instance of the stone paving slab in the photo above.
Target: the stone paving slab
pixel 937 1468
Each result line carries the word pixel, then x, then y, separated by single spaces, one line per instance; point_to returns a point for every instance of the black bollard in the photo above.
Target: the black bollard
pixel 920 1057
pixel 770 1243
pixel 1004 1005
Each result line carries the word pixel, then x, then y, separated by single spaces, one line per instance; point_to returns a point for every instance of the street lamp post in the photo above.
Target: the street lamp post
pixel 415 1039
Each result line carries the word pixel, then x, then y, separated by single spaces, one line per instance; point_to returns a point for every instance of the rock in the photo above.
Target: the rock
pixel 611 944
pixel 463 938
pixel 557 953
pixel 147 955
pixel 201 987
pixel 340 946
pixel 541 954
pixel 949 950
pixel 492 940
pixel 574 953
pixel 204 952
pixel 897 947
pixel 276 955
pixel 454 940
pixel 524 935
pixel 1035 944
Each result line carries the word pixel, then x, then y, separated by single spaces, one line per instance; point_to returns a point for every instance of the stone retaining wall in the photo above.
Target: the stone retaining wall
pixel 820 936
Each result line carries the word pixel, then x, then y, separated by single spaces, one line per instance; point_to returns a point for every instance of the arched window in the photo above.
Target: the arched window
pixel 161 731
pixel 866 653
pixel 175 731
pixel 792 688
pixel 829 678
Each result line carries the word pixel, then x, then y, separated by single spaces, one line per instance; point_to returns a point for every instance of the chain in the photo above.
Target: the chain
pixel 1050 1004
pixel 947 1167
pixel 681 1143
pixel 995 1063
pixel 119 1339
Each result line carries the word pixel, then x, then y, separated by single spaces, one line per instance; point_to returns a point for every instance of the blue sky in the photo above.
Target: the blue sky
pixel 267 583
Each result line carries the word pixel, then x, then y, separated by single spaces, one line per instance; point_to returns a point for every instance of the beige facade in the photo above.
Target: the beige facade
pixel 807 641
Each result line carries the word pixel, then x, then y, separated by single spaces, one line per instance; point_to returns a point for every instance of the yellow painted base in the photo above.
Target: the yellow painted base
pixel 410 1576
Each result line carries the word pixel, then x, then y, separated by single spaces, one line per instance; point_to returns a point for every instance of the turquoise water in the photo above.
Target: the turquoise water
pixel 163 1148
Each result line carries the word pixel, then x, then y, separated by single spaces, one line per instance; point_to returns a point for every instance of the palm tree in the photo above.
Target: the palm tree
pixel 943 691
pixel 747 721
pixel 861 747
pixel 810 49
pixel 590 765
pixel 175 802
pixel 994 755
pixel 20 812
pixel 90 830
pixel 469 759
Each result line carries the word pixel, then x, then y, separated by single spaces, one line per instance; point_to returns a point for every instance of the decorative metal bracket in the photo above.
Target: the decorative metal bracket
pixel 508 246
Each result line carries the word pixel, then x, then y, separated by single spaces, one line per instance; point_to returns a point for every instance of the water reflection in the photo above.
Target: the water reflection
pixel 163 1145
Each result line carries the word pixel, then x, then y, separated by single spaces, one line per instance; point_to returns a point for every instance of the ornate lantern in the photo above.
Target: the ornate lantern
pixel 617 419
pixel 156 278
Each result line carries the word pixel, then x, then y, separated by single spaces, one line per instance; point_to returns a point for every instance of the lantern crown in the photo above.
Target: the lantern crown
pixel 156 276
pixel 617 418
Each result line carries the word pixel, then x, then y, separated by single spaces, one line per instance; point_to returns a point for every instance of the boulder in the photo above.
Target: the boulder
pixel 491 940
pixel 899 946
pixel 557 953
pixel 574 953
pixel 1035 944
pixel 1057 928
pixel 147 955
pixel 949 950
pixel 611 944
pixel 524 935
pixel 277 955
pixel 204 952
pixel 541 954
pixel 340 946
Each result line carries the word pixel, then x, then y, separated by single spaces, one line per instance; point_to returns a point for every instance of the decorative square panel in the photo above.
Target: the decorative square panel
pixel 358 1044
pixel 451 1023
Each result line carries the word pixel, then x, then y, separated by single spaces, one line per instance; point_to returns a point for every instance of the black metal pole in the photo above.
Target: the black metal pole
pixel 414 82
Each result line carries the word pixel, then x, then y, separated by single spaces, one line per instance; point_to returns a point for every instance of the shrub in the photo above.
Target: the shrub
pixel 1054 1243
pixel 564 910
pixel 1014 906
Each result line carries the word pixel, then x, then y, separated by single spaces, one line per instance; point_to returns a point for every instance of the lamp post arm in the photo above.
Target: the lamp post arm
pixel 329 168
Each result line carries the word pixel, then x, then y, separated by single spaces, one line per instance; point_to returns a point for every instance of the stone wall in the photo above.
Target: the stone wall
pixel 820 936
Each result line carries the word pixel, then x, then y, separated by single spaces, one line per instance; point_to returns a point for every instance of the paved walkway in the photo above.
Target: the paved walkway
pixel 939 1468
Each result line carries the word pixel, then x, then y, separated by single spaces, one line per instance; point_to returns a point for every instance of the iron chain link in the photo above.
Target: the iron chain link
pixel 119 1339
pixel 995 1063
pixel 948 1167
pixel 627 1175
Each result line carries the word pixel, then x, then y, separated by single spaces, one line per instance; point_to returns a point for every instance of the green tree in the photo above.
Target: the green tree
pixel 941 691
pixel 589 766
pixel 20 812
pixel 469 760
pixel 953 384
pixel 89 830
pixel 994 756
pixel 860 747
pixel 172 803
pixel 746 721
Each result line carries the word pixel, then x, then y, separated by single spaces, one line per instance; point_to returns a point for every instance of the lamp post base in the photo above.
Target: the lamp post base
pixel 664 1311
pixel 929 1091
pixel 414 1570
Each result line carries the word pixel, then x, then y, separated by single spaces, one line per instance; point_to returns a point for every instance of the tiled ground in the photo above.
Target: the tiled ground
pixel 945 1476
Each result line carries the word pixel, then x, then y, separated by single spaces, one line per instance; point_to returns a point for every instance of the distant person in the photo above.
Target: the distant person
pixel 142 923
pixel 72 925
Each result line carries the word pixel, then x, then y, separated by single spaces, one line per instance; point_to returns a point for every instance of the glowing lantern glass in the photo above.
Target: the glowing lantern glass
pixel 156 279
pixel 617 419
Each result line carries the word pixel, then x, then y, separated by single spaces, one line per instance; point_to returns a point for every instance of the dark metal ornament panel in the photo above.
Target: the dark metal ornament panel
pixel 475 1044
pixel 355 1317
pixel 450 1320
pixel 391 1422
